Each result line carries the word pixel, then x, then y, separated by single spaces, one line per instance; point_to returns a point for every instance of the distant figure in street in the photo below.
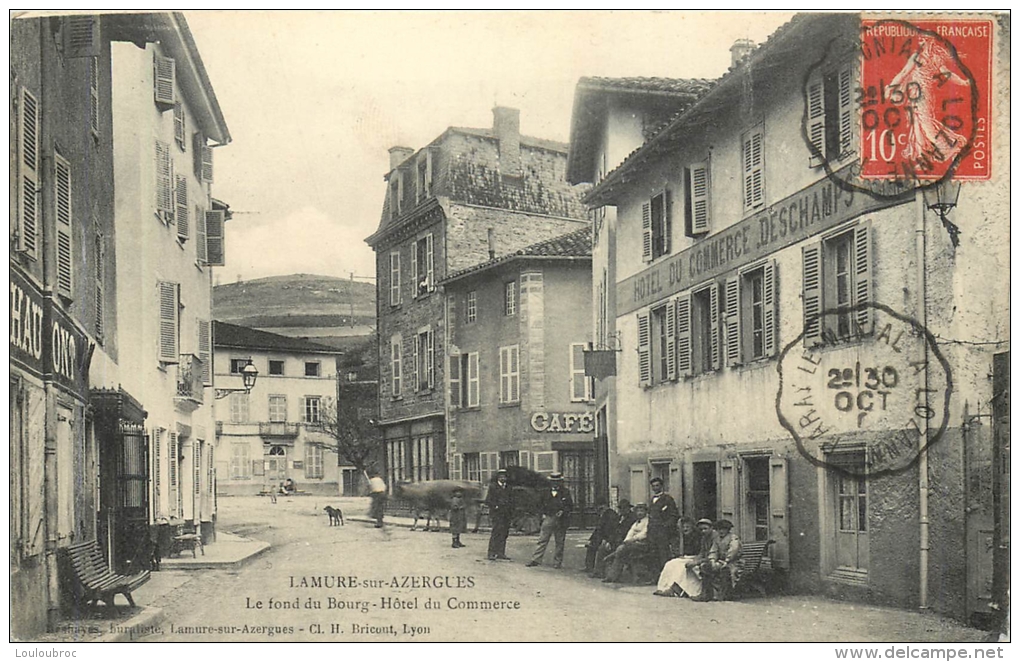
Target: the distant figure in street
pixel 458 516
pixel 501 507
pixel 662 517
pixel 555 507
pixel 634 544
pixel 377 492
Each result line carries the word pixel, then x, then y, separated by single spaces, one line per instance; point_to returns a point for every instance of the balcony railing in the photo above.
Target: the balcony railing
pixel 189 379
pixel 285 430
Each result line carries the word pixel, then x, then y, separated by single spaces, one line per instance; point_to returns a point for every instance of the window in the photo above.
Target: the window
pixel 472 467
pixel 239 411
pixel 240 462
pixel 471 307
pixel 277 408
pixel 276 367
pixel 312 368
pixel 750 314
pixel 237 366
pixel 181 207
pixel 395 278
pixel 204 334
pixel 313 461
pixel 757 472
pixel 663 332
pixel 656 227
pixel 509 375
pixel 580 385
pixel 697 210
pixel 62 201
pixel 704 327
pixel 421 459
pixel 464 380
pixel 169 317
pixel 424 360
pixel 163 79
pixel 422 261
pixel 423 179
pixel 510 298
pixel 214 246
pixel 396 192
pixel 753 164
pixel 203 159
pixel 312 404
pixel 180 126
pixel 837 276
pixel 29 196
pixel 395 364
pixel 509 459
pixel 396 461
pixel 164 183
pixel 830 115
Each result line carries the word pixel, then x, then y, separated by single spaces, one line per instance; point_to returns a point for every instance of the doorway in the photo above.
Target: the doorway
pixel 850 515
pixel 276 465
pixel 705 500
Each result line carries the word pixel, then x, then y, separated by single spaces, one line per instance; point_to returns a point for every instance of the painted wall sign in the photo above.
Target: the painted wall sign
pixel 26 324
pixel 67 350
pixel 548 421
pixel 817 208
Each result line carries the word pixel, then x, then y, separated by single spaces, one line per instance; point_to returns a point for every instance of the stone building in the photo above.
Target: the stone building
pixel 467 196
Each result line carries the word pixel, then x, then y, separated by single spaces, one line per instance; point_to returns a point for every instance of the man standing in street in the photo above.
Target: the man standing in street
pixel 662 518
pixel 377 492
pixel 500 502
pixel 556 507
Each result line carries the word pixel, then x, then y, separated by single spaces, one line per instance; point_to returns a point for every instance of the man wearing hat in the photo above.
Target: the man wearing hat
pixel 723 567
pixel 662 517
pixel 555 507
pixel 500 502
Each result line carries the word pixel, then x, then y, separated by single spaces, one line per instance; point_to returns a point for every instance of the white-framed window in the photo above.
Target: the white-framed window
pixel 395 278
pixel 313 369
pixel 698 207
pixel 396 358
pixel 239 408
pixel 422 459
pixel 752 154
pixel 277 408
pixel 240 462
pixel 510 298
pixel 464 380
pixel 656 226
pixel 313 461
pixel 580 385
pixel 509 375
pixel 471 307
pixel 751 317
pixel 830 115
pixel 837 276
pixel 422 266
pixel 313 404
pixel 276 367
pixel 424 360
pixel 657 344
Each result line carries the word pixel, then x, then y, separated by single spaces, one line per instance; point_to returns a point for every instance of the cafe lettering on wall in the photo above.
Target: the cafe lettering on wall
pixel 67 351
pixel 26 324
pixel 548 421
pixel 817 208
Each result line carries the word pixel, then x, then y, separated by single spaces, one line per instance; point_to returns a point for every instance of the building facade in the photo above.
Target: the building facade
pixel 739 252
pixel 276 431
pixel 467 196
pixel 517 330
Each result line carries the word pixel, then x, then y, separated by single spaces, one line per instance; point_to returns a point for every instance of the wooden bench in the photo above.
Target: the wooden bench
pixel 185 537
pixel 94 581
pixel 755 565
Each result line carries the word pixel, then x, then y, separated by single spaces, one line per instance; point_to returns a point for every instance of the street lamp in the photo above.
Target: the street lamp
pixel 249 373
pixel 941 198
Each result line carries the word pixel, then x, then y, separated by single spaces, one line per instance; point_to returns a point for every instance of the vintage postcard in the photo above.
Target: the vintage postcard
pixel 513 326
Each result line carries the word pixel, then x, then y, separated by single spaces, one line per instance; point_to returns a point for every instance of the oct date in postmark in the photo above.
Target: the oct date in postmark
pixel 882 388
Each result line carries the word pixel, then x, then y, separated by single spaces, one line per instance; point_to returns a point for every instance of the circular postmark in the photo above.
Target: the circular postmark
pixel 864 379
pixel 889 111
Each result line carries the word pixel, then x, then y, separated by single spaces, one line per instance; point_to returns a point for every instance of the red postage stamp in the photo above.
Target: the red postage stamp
pixel 924 99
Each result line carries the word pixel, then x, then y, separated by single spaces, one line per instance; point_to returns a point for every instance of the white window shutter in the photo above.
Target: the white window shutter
pixel 700 207
pixel 205 350
pixel 428 172
pixel 164 182
pixel 28 186
pixel 713 315
pixel 770 315
pixel 429 262
pixel 80 36
pixel 395 365
pixel 164 76
pixel 670 339
pixel 431 359
pixel 453 370
pixel 94 96
pixel 646 232
pixel 644 348
pixel 180 126
pixel 201 249
pixel 862 277
pixel 779 521
pixel 182 209
pixel 474 397
pixel 168 320
pixel 207 164
pixel 417 367
pixel 728 499
pixel 683 336
pixel 414 270
pixel 733 354
pixel 754 170
pixel 157 452
pixel 811 257
pixel 100 259
pixel 395 278
pixel 214 222
pixel 846 112
pixel 816 118
pixel 62 198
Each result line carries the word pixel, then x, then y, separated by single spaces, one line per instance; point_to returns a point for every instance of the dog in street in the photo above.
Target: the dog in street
pixel 336 518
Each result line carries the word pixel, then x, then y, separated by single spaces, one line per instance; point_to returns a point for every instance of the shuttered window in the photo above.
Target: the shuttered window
pixel 240 462
pixel 815 99
pixel 684 345
pixel 424 360
pixel 656 227
pixel 698 209
pixel 169 304
pixel 750 314
pixel 395 365
pixel 753 162
pixel 163 81
pixel 830 115
pixel 473 392
pixel 395 278
pixel 313 461
pixel 646 232
pixel 509 375
pixel 644 333
pixel 837 275
pixel 205 350
pixel 80 36
pixel 214 240
pixel 456 383
pixel 28 174
pixel 180 126
pixel 580 385
pixel 201 248
pixel 62 198
pixel 423 266
pixel 203 159
pixel 182 209
pixel 164 182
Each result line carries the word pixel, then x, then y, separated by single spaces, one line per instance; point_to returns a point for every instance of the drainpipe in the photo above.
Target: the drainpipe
pixel 922 467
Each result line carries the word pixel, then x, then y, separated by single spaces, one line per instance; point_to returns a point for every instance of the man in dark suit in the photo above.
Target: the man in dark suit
pixel 662 518
pixel 556 506
pixel 603 533
pixel 500 502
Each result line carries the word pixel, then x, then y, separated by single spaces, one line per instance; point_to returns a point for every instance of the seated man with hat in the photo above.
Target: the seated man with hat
pixel 555 507
pixel 682 576
pixel 724 565
pixel 635 544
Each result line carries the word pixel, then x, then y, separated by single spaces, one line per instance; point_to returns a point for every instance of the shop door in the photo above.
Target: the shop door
pixel 1000 477
pixel 578 469
pixel 131 537
pixel 851 506
pixel 979 446
pixel 276 465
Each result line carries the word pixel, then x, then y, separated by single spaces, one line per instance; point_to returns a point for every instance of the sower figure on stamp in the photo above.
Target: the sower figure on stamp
pixel 662 517
pixel 556 507
pixel 500 502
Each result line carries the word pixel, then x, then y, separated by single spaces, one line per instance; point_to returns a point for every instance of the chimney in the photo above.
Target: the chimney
pixel 492 244
pixel 740 49
pixel 398 155
pixel 506 124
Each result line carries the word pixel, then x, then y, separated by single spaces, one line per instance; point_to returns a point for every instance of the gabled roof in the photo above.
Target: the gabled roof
pixel 573 246
pixel 241 337
pixel 640 84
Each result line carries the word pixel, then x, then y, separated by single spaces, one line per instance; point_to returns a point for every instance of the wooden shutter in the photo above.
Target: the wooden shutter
pixel 525 459
pixel 197 466
pixel 811 256
pixel 504 374
pixel 395 278
pixel 816 118
pixel 754 171
pixel 733 353
pixel 638 484
pixel 180 126
pixel 164 182
pixel 168 319
pixel 728 500
pixel 431 364
pixel 684 350
pixel 862 277
pixel 62 197
pixel 428 172
pixel 715 343
pixel 80 36
pixel 28 188
pixel 646 232
pixel 157 453
pixel 644 325
pixel 214 238
pixel 395 364
pixel 846 111
pixel 181 213
pixel 205 350
pixel 429 263
pixel 414 271
pixel 770 315
pixel 417 358
pixel 474 396
pixel 700 209
pixel 172 473
pixel 203 159
pixel 94 96
pixel 164 76
pixel 670 339
pixel 100 260
pixel 201 249
pixel 667 221
pixel 779 521
pixel 455 381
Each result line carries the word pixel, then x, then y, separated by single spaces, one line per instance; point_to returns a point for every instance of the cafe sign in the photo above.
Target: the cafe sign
pixel 549 421
pixel 67 351
pixel 26 324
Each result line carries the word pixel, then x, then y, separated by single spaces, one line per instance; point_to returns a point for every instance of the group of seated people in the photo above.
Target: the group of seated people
pixel 701 562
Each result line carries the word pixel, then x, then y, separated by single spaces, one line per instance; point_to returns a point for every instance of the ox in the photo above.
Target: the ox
pixel 432 497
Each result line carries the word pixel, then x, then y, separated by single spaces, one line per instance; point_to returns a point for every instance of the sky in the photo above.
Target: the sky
pixel 314 99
